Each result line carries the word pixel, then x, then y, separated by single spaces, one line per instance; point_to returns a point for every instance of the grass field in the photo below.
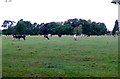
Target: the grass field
pixel 60 57
pixel 0 56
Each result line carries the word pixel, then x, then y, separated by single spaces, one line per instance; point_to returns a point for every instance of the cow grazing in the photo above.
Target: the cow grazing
pixel 18 36
pixel 46 36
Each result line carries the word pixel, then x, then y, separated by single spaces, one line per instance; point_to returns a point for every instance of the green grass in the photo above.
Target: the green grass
pixel 0 56
pixel 60 57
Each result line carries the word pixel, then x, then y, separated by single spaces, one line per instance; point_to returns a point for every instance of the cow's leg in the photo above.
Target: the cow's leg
pixel 47 38
pixel 13 38
pixel 24 38
pixel 19 39
pixel 75 38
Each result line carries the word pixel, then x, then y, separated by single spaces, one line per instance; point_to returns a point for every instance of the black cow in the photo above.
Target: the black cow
pixel 18 36
pixel 46 36
pixel 59 35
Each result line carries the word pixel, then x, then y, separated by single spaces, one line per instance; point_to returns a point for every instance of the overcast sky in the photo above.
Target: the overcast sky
pixel 59 10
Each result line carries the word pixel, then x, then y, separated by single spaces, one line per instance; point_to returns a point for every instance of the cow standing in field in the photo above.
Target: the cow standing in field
pixel 18 36
pixel 46 36
pixel 59 35
pixel 75 37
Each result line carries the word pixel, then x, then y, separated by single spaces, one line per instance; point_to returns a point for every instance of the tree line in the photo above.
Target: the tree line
pixel 68 27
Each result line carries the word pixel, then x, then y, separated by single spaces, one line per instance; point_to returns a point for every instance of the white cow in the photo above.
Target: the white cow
pixel 75 37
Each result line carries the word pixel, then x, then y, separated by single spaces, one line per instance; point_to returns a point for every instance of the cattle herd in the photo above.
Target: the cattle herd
pixel 75 36
pixel 23 36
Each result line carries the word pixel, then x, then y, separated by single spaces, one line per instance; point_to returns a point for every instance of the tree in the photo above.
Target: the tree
pixel 8 23
pixel 78 30
pixel 27 27
pixel 73 22
pixel 101 29
pixel 8 31
pixel 66 29
pixel 35 29
pixel 53 27
pixel 20 27
pixel 60 28
pixel 44 29
pixel 0 32
pixel 86 27
pixel 116 27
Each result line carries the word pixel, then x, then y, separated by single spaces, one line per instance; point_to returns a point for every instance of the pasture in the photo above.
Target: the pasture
pixel 60 57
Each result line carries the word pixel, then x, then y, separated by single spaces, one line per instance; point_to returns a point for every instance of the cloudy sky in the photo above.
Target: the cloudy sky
pixel 59 10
